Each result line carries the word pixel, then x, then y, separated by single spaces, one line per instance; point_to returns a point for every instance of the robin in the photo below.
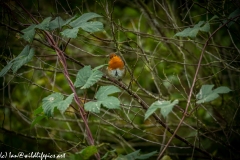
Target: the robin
pixel 116 67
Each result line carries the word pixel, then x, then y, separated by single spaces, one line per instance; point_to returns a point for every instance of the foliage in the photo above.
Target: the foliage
pixel 104 99
pixel 165 106
pixel 55 100
pixel 192 32
pixel 87 77
pixel 206 94
pixel 57 97
pixel 24 57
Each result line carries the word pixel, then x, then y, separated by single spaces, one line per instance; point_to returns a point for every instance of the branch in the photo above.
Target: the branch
pixel 61 56
pixel 191 90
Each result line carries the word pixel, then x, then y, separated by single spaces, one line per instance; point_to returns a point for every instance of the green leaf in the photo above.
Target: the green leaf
pixel 70 33
pixel 50 102
pixel 222 89
pixel 82 76
pixel 104 91
pixel 69 20
pixel 86 77
pixel 63 105
pixel 111 102
pixel 29 33
pixel 88 152
pixel 93 106
pixel 56 100
pixel 83 18
pixel 58 22
pixel 94 77
pixel 24 57
pixel 6 69
pixel 165 106
pixel 205 28
pixel 91 26
pixel 188 32
pixel 38 111
pixel 37 120
pixel 192 32
pixel 206 94
pixel 44 25
pixel 199 24
pixel 104 99
pixel 205 90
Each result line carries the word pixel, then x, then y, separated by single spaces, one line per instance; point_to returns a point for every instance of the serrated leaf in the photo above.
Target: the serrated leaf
pixel 29 33
pixel 104 91
pixel 222 89
pixel 24 57
pixel 91 26
pixel 58 22
pixel 70 33
pixel 83 18
pixel 63 105
pixel 199 24
pixel 208 98
pixel 154 106
pixel 111 103
pixel 69 20
pixel 192 32
pixel 44 25
pixel 206 94
pixel 205 90
pixel 93 106
pixel 205 28
pixel 102 97
pixel 166 109
pixel 165 106
pixel 86 77
pixel 6 69
pixel 87 152
pixel 94 77
pixel 184 33
pixel 82 76
pixel 50 102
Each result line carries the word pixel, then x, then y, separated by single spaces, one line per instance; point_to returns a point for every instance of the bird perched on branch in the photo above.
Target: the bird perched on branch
pixel 116 67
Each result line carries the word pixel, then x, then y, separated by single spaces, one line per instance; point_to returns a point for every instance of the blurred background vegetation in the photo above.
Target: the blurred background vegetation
pixel 160 66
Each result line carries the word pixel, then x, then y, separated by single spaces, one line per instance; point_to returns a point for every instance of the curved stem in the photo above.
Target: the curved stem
pixel 193 84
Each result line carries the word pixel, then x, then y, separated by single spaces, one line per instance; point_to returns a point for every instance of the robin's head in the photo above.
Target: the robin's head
pixel 111 55
pixel 115 62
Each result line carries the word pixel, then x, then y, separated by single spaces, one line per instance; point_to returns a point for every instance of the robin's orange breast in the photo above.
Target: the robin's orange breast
pixel 116 68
